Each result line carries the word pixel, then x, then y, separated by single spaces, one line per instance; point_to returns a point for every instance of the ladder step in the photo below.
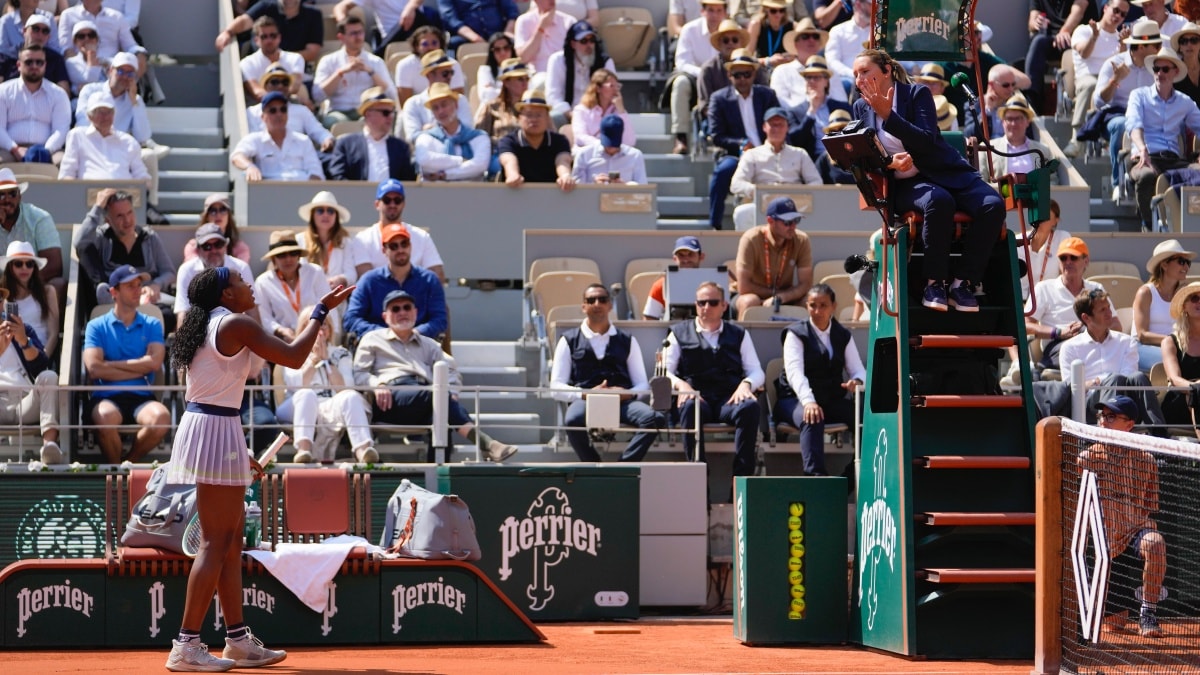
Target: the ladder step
pixel 951 518
pixel 968 401
pixel 978 576
pixel 962 341
pixel 961 462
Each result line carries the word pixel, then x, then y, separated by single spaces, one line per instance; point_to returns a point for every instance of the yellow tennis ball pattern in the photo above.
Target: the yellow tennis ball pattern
pixel 795 562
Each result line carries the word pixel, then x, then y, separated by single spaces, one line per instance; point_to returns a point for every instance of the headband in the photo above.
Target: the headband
pixel 222 278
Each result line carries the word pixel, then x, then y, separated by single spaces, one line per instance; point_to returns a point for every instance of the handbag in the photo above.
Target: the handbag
pixel 161 515
pixel 423 524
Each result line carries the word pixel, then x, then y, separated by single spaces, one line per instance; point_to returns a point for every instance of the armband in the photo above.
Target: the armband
pixel 320 311
pixel 1055 333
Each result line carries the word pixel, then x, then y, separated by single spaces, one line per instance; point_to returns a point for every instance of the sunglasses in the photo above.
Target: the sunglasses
pixel 731 41
pixel 790 223
pixel 1109 417
pixel 275 110
pixel 212 246
pixel 1195 39
pixel 741 74
pixel 386 112
pixel 45 30
pixel 86 35
pixel 445 73
pixel 268 36
pixel 322 210
pixel 10 194
pixel 392 201
pixel 1006 85
pixel 708 303
pixel 809 36
pixel 278 82
pixel 429 43
pixel 506 47
pixel 126 72
pixel 287 254
pixel 775 10
pixel 1163 69
pixel 1068 258
pixel 392 245
pixel 218 209
pixel 407 307
pixel 587 41
pixel 18 264
pixel 1117 10
pixel 1194 298
pixel 34 62
pixel 602 299
pixel 1180 260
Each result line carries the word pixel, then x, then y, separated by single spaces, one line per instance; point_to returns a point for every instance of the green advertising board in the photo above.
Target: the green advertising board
pixel 924 29
pixel 54 607
pixel 58 515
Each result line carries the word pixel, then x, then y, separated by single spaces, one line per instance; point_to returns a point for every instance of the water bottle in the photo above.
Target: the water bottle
pixel 253 529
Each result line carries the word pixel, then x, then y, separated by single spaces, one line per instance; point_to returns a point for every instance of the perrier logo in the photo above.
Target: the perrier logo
pixel 551 533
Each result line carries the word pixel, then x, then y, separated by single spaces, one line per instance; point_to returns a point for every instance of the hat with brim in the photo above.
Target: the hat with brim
pixel 21 250
pixel 1168 248
pixel 946 112
pixel 741 58
pixel 8 181
pixel 1189 28
pixel 124 60
pixel 932 73
pixel 398 294
pixel 1073 246
pixel 510 68
pixel 802 26
pixel 728 26
pixel 439 91
pixel 817 65
pixel 328 199
pixel 394 231
pixel 81 26
pixel 1122 405
pixel 1168 54
pixel 435 60
pixel 217 198
pixel 1144 32
pixel 838 119
pixel 1181 296
pixel 375 97
pixel 37 19
pixel 209 231
pixel 101 100
pixel 276 71
pixel 282 241
pixel 126 273
pixel 533 99
pixel 1017 103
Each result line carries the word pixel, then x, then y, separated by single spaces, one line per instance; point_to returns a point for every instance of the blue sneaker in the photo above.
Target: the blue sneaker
pixel 935 297
pixel 963 299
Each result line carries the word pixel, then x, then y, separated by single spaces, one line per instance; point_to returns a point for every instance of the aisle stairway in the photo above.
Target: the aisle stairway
pixel 198 164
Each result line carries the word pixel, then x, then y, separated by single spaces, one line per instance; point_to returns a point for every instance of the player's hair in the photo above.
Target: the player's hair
pixel 205 295
pixel 822 289
pixel 885 61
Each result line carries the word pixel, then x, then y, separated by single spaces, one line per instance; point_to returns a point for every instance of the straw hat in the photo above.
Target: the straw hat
pixel 728 26
pixel 1168 54
pixel 1144 32
pixel 21 250
pixel 946 112
pixel 533 98
pixel 741 58
pixel 510 68
pixel 375 97
pixel 274 71
pixel 438 91
pixel 932 73
pixel 838 119
pixel 817 65
pixel 282 241
pixel 1167 248
pixel 802 26
pixel 434 60
pixel 1018 103
pixel 1181 296
pixel 324 198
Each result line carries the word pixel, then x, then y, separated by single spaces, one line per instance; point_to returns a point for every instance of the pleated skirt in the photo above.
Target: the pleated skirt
pixel 209 449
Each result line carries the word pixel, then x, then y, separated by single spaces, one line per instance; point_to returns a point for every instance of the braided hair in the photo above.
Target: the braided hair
pixel 205 295
pixel 884 61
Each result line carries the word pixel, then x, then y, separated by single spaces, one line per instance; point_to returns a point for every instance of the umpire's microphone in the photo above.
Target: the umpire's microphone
pixel 660 386
pixel 960 80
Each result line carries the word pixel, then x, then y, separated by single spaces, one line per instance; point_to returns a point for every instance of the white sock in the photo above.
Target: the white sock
pixel 956 284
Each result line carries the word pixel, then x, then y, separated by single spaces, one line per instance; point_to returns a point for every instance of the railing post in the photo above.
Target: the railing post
pixel 1078 393
pixel 441 410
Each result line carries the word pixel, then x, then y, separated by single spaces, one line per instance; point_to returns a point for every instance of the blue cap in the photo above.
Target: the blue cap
pixel 125 273
pixel 271 97
pixel 687 243
pixel 389 185
pixel 775 111
pixel 612 129
pixel 580 30
pixel 783 208
pixel 1122 405
pixel 398 294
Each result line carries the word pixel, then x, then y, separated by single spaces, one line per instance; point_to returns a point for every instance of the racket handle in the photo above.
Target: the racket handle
pixel 280 441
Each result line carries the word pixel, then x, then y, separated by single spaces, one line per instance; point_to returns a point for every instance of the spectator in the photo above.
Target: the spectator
pixel 813 111
pixel 1043 247
pixel 594 358
pixel 98 152
pixel 275 153
pixel 732 130
pixel 1180 357
pixel 12 28
pixel 22 221
pixel 37 32
pixel 288 284
pixel 1051 23
pixel 1015 119
pixel 299 118
pixel 728 37
pixel 610 160
pixel 580 10
pixel 534 154
pixel 499 117
pixel 487 78
pixel 301 28
pixel 772 163
pixel 321 404
pixel 716 361
pixel 1119 76
pixel 437 67
pixel 1003 83
pixel 565 86
pixel 122 352
pixel 831 173
pixel 85 67
pixel 374 154
pixel 400 355
pixel 36 301
pixel 121 242
pixel 821 366
pixel 254 66
pixel 409 76
pixel 1152 320
pixel 1186 41
pixel 933 75
pixel 328 244
pixel 212 250
pixel 846 40
pixel 219 211
pixel 35 114
pixel 694 49
pixel 601 99
pixel 450 150
pixel 471 20
pixel 781 244
pixel 1053 319
pixel 1093 43
pixel 767 28
pixel 687 255
pixel 28 386
pixel 803 42
pixel 829 13
pixel 539 32
pixel 1156 10
pixel 1155 117
pixel 342 76
pixel 400 274
pixel 679 12
pixel 394 19
pixel 113 28
pixel 389 203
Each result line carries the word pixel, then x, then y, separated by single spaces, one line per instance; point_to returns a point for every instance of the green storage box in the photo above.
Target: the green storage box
pixel 560 541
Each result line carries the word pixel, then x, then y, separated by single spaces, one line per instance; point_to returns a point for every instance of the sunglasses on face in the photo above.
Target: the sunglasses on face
pixel 602 299
pixel 809 36
pixel 790 223
pixel 587 41
pixel 386 112
pixel 275 110
pixel 505 47
pixel 731 41
pixel 1117 11
pixel 1068 258
pixel 1195 39
pixel 277 82
pixel 1193 298
pixel 429 43
pixel 1163 69
pixel 392 201
pixel 393 246
pixel 444 74
pixel 87 35
pixel 44 30
pixel 407 307
pixel 322 210
pixel 18 264
pixel 212 246
pixel 9 194
pixel 708 303
pixel 741 74
pixel 775 10
pixel 34 62
pixel 218 209
pixel 1180 260
pixel 288 254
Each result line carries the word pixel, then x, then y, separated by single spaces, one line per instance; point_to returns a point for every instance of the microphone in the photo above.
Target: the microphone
pixel 960 80
pixel 660 386
pixel 857 262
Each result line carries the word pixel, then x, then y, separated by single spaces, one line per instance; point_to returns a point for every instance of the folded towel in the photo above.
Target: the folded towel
pixel 307 569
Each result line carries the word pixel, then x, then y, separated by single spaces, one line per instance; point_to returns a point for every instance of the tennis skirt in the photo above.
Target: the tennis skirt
pixel 209 449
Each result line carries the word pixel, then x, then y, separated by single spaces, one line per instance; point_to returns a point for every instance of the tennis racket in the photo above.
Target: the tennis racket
pixel 269 454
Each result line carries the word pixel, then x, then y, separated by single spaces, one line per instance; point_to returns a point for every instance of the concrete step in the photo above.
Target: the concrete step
pixel 189 219
pixel 182 117
pixel 195 137
pixel 514 428
pixel 683 207
pixel 682 224
pixel 655 144
pixel 493 376
pixel 674 186
pixel 646 124
pixel 194 181
pixel 474 353
pixel 176 201
pixel 195 159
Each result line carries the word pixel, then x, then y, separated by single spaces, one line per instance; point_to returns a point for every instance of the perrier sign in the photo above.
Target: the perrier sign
pixel 924 29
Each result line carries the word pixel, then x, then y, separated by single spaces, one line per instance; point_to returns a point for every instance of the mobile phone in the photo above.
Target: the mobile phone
pixel 614 175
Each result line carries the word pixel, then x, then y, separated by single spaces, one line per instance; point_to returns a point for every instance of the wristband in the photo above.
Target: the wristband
pixel 1054 333
pixel 320 311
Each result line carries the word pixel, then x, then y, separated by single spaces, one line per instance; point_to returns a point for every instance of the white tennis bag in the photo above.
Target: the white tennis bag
pixel 428 525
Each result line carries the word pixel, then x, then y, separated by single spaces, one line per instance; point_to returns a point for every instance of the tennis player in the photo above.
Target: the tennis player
pixel 221 344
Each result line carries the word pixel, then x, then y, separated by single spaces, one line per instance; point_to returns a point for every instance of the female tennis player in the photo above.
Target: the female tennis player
pixel 218 344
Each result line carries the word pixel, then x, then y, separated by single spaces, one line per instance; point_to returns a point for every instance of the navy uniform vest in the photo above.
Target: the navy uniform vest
pixel 824 371
pixel 715 373
pixel 587 371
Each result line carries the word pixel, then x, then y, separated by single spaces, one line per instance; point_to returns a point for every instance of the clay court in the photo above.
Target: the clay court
pixel 687 645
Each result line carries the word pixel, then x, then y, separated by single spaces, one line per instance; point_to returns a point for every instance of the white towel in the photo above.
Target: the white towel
pixel 307 569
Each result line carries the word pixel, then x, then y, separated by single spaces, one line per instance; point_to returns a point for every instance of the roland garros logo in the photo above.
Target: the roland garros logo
pixel 549 531
pixel 878 539
pixel 63 526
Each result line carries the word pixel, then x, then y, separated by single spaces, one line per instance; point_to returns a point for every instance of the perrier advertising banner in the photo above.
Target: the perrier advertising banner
pixel 924 30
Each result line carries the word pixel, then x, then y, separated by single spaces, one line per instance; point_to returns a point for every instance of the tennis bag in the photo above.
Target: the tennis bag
pixel 428 525
pixel 161 515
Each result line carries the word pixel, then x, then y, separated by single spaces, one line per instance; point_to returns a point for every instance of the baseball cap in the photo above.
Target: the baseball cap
pixel 101 100
pixel 271 97
pixel 783 208
pixel 775 111
pixel 688 243
pixel 207 232
pixel 126 273
pixel 78 28
pixel 393 231
pixel 580 30
pixel 612 129
pixel 124 60
pixel 389 185
pixel 1122 405
pixel 399 294
pixel 36 19
pixel 217 198
pixel 1072 246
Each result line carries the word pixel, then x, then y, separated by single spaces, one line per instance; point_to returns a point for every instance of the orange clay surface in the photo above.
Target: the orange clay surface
pixel 656 645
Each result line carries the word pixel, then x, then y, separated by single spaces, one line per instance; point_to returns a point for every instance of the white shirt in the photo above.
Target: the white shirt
pixel 761 165
pixel 1173 24
pixel 431 155
pixel 1137 77
pixel 693 49
pixel 189 270
pixel 576 8
pixel 343 260
pixel 560 370
pixel 81 74
pixel 751 369
pixel 793 363
pixel 345 94
pixel 552 39
pixel 688 9
pixel 300 120
pixel 556 85
pixel 112 28
pixel 408 74
pixel 1044 263
pixel 418 118
pixel 256 64
pixel 387 12
pixel 424 251
pixel 378 164
pixel 487 87
pixel 1107 44
pixel 746 108
pixel 90 156
pixel 294 160
pixel 845 42
pixel 129 115
pixel 789 85
pixel 29 117
pixel 280 307
pixel 592 161
pixel 1056 304
pixel 1117 355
